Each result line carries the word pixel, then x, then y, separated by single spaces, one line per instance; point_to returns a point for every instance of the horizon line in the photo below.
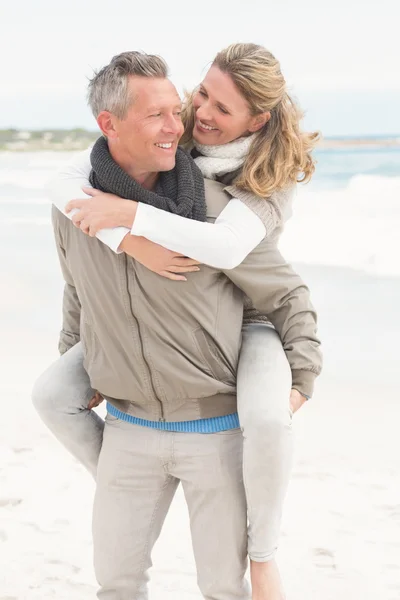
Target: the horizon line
pixel 364 136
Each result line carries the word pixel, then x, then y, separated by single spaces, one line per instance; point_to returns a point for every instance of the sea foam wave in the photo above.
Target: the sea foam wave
pixel 356 227
pixel 18 201
pixel 25 221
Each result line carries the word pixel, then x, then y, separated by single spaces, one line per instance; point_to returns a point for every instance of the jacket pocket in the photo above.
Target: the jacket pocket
pixel 89 345
pixel 213 357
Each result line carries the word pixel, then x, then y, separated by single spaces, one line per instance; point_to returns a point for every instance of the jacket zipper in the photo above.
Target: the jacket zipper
pixel 161 419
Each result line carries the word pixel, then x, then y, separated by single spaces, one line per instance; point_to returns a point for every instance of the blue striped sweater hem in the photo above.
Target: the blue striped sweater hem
pixel 213 425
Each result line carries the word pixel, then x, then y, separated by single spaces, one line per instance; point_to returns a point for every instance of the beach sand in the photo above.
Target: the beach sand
pixel 341 529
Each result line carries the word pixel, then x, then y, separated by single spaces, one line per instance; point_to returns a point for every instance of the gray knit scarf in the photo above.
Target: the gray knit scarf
pixel 179 191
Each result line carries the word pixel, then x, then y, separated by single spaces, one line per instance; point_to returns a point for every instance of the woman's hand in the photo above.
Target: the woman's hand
pixel 164 262
pixel 296 400
pixel 95 401
pixel 101 211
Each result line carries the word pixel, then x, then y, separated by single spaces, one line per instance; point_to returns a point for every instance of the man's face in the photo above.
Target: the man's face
pixel 150 132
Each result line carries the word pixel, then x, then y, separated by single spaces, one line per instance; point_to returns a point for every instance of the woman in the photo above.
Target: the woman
pixel 243 130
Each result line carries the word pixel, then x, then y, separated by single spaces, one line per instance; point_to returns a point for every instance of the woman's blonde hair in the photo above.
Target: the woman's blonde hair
pixel 280 154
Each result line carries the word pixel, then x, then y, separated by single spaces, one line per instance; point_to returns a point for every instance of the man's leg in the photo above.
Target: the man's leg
pixel 210 468
pixel 133 494
pixel 61 396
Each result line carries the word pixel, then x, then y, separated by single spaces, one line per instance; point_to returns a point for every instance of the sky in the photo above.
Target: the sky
pixel 340 59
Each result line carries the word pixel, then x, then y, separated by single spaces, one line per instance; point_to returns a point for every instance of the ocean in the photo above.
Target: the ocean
pixel 349 215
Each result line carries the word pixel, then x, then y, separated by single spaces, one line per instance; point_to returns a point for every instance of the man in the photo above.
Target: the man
pixel 151 350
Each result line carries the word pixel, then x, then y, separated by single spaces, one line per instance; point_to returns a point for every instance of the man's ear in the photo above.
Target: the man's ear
pixel 259 121
pixel 106 122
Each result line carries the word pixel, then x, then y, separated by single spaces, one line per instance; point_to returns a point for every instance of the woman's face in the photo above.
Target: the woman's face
pixel 222 114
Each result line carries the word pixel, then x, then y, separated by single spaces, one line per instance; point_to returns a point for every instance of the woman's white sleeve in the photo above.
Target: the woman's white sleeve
pixel 223 244
pixel 67 185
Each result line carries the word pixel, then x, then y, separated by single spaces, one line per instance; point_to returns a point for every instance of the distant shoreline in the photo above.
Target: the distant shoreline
pixel 349 143
pixel 65 140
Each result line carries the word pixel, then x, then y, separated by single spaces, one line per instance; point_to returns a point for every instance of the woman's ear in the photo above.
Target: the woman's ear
pixel 259 121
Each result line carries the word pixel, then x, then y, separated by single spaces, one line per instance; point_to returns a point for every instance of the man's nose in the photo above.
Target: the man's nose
pixel 173 125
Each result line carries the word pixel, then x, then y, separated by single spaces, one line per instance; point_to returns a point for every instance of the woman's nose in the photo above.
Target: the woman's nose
pixel 203 113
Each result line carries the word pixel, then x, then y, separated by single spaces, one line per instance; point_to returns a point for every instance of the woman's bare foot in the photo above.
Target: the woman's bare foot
pixel 266 581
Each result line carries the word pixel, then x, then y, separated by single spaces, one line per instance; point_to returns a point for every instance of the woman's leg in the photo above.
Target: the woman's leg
pixel 263 388
pixel 61 396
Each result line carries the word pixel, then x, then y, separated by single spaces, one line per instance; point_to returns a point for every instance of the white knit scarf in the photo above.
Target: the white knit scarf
pixel 218 160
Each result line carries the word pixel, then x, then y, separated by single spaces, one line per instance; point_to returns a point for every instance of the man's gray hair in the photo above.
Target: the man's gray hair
pixel 108 89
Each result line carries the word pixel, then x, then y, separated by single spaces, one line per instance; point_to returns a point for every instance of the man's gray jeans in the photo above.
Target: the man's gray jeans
pixel 62 393
pixel 138 473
